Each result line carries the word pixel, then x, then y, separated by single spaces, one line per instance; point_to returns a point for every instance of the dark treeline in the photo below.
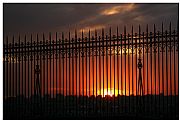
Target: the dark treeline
pixel 65 107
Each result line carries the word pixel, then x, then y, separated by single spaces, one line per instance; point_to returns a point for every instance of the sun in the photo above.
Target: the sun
pixel 108 93
pixel 111 92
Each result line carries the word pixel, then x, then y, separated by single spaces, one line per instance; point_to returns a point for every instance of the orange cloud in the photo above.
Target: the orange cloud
pixel 92 28
pixel 118 9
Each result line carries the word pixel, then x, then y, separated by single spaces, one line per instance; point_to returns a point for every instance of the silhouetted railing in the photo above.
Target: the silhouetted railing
pixel 114 76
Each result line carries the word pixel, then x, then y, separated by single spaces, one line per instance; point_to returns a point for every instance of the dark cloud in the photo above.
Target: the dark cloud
pixel 22 18
pixel 30 17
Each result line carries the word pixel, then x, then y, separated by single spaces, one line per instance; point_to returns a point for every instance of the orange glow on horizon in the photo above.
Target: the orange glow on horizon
pixel 112 92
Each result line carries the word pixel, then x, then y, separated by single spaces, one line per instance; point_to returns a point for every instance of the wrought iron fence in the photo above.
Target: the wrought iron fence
pixel 114 76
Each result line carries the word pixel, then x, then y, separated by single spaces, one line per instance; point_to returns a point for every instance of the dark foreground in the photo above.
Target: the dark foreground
pixel 72 107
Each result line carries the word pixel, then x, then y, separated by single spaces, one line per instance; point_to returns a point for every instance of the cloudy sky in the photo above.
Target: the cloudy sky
pixel 38 18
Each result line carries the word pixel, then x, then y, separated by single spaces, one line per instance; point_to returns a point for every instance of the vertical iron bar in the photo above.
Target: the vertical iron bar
pixel 121 75
pixel 34 101
pixel 114 72
pixel 89 69
pixel 76 69
pixel 139 83
pixel 4 76
pixel 69 70
pixel 159 74
pixel 118 65
pixel 125 64
pixel 40 83
pixel 147 80
pixel 155 67
pixel 31 68
pixel 28 77
pixel 60 98
pixel 36 83
pixel 16 74
pixel 63 68
pixel 63 43
pixel 56 73
pixel 19 74
pixel 166 68
pixel 86 75
pixel 73 93
pixel 96 66
pixel 40 80
pixel 50 70
pixel 151 70
pixel 103 65
pixel 93 68
pixel 132 70
pixel 52 77
pixel 44 70
pixel 53 73
pixel 79 101
pixel 174 37
pixel 10 88
pixel 83 70
pixel 170 66
pixel 129 72
pixel 110 67
pixel 100 73
pixel 107 71
pixel 162 66
pixel 136 49
pixel 7 85
pixel 178 57
pixel 22 74
pixel 47 80
pixel 13 72
pixel 25 57
pixel 143 82
pixel 66 49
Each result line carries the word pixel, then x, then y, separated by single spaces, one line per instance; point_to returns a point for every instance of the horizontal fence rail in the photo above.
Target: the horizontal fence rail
pixel 60 44
pixel 105 76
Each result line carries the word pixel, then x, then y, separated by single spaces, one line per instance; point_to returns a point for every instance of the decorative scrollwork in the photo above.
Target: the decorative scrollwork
pixel 76 47
pixel 177 46
pixel 37 57
pixel 69 53
pixel 43 57
pixel 162 48
pixel 56 56
pixel 12 59
pixel 25 58
pixel 19 58
pixel 170 47
pixel 31 58
pixel 63 54
pixel 50 56
pixel 82 52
